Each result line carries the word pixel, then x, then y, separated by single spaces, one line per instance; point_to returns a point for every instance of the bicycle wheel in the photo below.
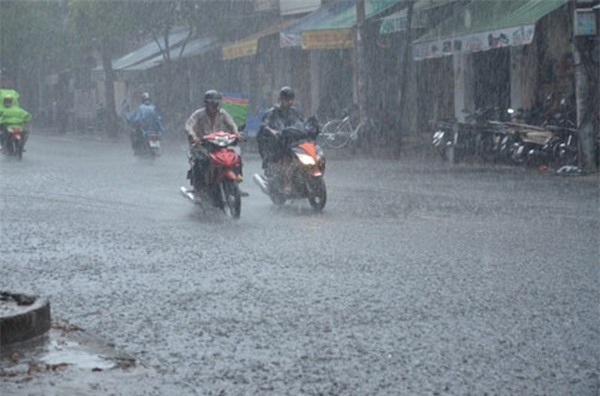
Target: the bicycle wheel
pixel 370 130
pixel 333 134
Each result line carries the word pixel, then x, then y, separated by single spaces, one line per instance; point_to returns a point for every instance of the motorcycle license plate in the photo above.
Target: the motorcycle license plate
pixel 154 144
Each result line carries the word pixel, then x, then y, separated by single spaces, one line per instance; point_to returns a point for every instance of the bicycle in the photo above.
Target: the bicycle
pixel 337 133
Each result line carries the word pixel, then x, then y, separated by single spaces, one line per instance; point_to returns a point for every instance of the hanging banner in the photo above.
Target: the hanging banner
pixel 519 35
pixel 240 49
pixel 327 39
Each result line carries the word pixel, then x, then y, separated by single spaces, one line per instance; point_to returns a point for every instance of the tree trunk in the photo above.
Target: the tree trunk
pixel 110 113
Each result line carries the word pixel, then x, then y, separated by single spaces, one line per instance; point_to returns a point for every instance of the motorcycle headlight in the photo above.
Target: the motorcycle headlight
pixel 306 159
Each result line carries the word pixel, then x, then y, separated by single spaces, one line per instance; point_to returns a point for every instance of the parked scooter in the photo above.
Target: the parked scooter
pixel 456 141
pixel 565 146
pixel 222 176
pixel 532 145
pixel 445 140
pixel 299 172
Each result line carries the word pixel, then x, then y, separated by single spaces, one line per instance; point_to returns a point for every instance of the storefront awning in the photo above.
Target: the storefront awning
pixel 193 48
pixel 398 21
pixel 331 26
pixel 249 46
pixel 483 25
pixel 146 52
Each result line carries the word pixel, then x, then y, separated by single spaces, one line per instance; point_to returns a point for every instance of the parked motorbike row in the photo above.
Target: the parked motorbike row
pixel 298 175
pixel 508 140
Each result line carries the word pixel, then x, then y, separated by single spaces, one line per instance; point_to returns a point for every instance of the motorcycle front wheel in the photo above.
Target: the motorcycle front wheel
pixel 231 199
pixel 317 193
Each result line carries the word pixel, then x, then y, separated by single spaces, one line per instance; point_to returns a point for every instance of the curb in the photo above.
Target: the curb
pixel 26 317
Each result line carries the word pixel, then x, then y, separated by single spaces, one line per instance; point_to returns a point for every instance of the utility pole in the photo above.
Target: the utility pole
pixel 359 48
pixel 586 86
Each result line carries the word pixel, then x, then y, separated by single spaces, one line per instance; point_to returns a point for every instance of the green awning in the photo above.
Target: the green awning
pixel 484 25
pixel 331 26
pixel 346 19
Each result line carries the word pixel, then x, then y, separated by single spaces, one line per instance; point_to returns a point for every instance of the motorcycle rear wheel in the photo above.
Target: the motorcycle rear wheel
pixel 154 153
pixel 232 199
pixel 19 151
pixel 16 148
pixel 317 193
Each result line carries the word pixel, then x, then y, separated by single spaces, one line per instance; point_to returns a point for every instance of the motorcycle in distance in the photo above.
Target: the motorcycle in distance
pixel 221 187
pixel 148 145
pixel 15 142
pixel 151 145
pixel 300 170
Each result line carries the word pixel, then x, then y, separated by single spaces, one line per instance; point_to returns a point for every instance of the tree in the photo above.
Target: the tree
pixel 32 45
pixel 201 18
pixel 100 26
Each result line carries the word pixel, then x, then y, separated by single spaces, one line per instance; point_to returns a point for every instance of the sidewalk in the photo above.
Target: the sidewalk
pixel 70 361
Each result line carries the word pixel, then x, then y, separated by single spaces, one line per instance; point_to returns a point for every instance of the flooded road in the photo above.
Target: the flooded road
pixel 416 279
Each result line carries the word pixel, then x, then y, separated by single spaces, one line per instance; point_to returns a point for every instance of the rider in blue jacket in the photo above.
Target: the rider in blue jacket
pixel 146 120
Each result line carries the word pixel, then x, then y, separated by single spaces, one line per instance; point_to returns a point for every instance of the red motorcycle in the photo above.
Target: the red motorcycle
pixel 15 142
pixel 222 173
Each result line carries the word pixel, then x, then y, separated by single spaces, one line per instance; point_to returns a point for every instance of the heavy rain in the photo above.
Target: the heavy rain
pixel 430 226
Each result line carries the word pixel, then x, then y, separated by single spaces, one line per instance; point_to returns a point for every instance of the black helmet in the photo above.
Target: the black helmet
pixel 287 93
pixel 212 96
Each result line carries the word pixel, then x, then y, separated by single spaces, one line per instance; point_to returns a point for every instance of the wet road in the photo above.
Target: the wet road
pixel 416 280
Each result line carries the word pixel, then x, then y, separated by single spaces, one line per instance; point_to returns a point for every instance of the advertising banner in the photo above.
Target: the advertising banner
pixel 326 39
pixel 483 41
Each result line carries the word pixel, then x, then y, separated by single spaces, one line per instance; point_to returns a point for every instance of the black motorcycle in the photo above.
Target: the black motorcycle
pixel 298 171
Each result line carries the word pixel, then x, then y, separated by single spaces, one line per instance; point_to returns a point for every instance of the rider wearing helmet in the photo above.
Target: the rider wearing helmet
pixel 146 120
pixel 278 117
pixel 12 115
pixel 208 119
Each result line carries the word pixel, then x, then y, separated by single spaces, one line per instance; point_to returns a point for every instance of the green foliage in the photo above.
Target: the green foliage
pixel 32 37
pixel 102 25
